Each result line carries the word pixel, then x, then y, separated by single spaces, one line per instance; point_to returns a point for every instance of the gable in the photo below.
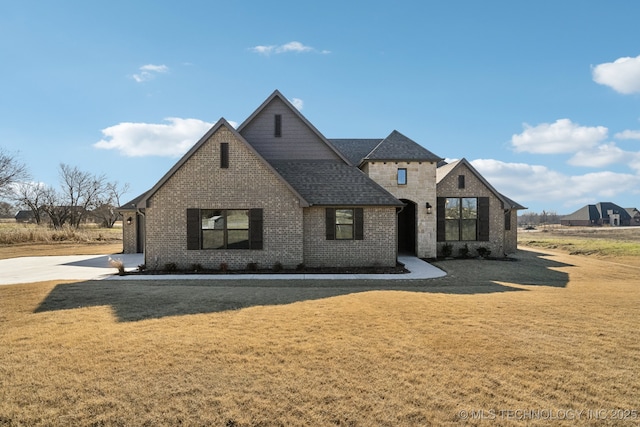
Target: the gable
pixel 201 170
pixel 297 140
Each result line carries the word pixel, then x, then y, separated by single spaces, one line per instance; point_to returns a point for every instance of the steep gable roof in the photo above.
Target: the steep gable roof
pixel 141 203
pixel 449 169
pixel 294 149
pixel 396 146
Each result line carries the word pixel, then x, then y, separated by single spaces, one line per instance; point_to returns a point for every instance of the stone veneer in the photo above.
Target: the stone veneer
pixel 420 189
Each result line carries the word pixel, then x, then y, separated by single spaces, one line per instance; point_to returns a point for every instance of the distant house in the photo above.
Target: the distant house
pixel 603 213
pixel 275 190
pixel 25 216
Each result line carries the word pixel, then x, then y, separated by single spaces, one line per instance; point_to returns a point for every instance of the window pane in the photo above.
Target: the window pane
pixel 212 239
pixel 402 176
pixel 452 208
pixel 238 220
pixel 452 229
pixel 344 216
pixel 212 220
pixel 344 231
pixel 238 239
pixel 470 208
pixel 469 229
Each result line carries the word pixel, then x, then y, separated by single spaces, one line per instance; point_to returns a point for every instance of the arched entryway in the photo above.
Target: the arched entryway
pixel 407 228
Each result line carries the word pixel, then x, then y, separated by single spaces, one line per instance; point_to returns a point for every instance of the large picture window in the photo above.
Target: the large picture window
pixel 224 229
pixel 461 218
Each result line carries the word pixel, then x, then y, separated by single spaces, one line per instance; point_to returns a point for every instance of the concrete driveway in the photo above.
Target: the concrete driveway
pixel 96 267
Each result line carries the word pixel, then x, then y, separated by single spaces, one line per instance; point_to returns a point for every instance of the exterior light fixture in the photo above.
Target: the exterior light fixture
pixel 428 207
pixel 129 220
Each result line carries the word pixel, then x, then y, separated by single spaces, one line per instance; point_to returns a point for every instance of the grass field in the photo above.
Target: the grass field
pixel 529 342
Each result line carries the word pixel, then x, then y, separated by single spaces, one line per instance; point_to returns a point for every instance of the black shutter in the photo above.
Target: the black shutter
pixel 255 228
pixel 483 219
pixel 460 181
pixel 441 235
pixel 193 229
pixel 358 219
pixel 330 216
pixel 507 220
pixel 224 155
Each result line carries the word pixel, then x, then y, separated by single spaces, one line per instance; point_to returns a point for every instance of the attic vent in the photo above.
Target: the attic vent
pixel 460 181
pixel 278 126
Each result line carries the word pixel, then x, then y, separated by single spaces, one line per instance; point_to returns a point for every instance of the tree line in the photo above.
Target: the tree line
pixel 533 218
pixel 80 194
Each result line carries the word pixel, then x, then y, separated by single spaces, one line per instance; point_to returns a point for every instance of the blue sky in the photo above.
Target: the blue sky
pixel 542 97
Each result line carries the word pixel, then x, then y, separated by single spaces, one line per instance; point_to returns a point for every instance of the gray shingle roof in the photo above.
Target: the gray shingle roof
pixel 355 149
pixel 394 147
pixel 398 147
pixel 333 183
pixel 597 211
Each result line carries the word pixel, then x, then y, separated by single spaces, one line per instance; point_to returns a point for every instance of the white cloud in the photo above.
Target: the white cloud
pixel 563 136
pixel 600 156
pixel 293 46
pixel 628 134
pixel 149 71
pixel 298 103
pixel 526 183
pixel 149 139
pixel 622 75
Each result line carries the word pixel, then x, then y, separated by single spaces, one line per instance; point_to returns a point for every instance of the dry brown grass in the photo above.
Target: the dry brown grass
pixel 360 357
pixel 18 240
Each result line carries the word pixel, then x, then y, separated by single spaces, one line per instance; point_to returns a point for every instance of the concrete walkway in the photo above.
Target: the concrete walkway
pixel 96 267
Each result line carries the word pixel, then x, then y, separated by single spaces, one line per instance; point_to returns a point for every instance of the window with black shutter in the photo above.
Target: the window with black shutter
pixel 344 223
pixel 224 229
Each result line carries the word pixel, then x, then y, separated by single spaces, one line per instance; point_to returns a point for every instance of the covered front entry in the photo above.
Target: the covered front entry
pixel 407 228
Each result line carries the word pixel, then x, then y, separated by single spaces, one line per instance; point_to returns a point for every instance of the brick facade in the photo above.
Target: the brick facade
pixel 246 184
pixel 474 187
pixel 378 248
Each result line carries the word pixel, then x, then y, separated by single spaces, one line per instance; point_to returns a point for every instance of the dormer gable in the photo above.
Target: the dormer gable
pixel 278 131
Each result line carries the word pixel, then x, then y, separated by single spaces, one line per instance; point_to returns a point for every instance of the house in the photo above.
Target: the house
pixel 472 213
pixel 603 213
pixel 275 190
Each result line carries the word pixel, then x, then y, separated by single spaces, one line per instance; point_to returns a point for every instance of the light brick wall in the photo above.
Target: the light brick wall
pixel 378 248
pixel 448 187
pixel 201 183
pixel 129 233
pixel 511 236
pixel 420 189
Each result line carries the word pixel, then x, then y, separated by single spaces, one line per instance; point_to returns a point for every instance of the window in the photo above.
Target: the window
pixel 461 219
pixel 460 181
pixel 278 126
pixel 344 224
pixel 224 229
pixel 402 176
pixel 224 155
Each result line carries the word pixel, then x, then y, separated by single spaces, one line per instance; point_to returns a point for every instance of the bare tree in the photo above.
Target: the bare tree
pixel 106 207
pixel 81 190
pixel 7 210
pixel 31 195
pixel 12 171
